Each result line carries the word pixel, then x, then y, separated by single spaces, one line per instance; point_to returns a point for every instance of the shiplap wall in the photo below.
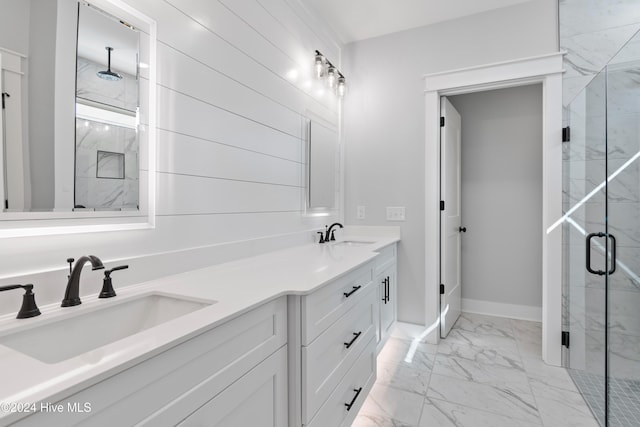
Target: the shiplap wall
pixel 234 88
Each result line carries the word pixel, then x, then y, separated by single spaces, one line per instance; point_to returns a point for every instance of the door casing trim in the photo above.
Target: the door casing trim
pixel 544 69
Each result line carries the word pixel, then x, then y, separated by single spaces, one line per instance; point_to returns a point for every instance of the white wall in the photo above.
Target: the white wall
pixel 502 197
pixel 384 117
pixel 230 147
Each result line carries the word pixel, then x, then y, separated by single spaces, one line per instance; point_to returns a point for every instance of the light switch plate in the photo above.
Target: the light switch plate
pixel 395 213
pixel 360 212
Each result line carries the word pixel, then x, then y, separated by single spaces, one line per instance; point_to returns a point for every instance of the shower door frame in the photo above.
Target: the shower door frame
pixel 544 69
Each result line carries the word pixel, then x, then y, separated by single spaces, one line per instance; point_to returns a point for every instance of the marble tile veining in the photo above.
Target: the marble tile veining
pixel 487 372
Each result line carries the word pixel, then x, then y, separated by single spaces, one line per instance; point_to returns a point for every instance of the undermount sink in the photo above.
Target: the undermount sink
pixel 81 333
pixel 353 243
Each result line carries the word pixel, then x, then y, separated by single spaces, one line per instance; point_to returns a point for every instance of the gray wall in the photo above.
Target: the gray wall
pixel 384 117
pixel 502 195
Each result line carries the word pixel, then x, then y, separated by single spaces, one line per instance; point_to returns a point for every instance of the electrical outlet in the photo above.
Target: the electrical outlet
pixel 360 214
pixel 395 213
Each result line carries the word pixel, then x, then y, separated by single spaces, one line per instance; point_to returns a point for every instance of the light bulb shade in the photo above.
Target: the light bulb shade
pixel 332 77
pixel 320 65
pixel 341 88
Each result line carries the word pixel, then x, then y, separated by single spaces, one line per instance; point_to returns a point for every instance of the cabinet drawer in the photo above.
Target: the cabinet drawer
pixel 259 398
pixel 328 359
pixel 386 257
pixel 326 305
pixel 163 390
pixel 334 412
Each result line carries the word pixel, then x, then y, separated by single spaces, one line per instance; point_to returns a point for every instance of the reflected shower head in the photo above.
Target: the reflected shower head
pixel 108 74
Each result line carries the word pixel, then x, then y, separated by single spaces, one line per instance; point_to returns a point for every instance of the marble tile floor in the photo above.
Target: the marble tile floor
pixel 487 372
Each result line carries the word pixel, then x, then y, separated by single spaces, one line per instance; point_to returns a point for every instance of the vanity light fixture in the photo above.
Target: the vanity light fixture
pixel 335 79
pixel 331 77
pixel 320 63
pixel 108 74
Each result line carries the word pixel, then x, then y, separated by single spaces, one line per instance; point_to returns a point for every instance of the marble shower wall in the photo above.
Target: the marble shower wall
pixel 109 181
pixel 592 32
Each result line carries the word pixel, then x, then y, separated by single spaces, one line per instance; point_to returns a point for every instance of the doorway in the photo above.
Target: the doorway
pixel 545 69
pixel 500 204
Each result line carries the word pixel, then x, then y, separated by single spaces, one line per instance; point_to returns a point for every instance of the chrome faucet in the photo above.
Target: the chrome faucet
pixel 329 233
pixel 72 294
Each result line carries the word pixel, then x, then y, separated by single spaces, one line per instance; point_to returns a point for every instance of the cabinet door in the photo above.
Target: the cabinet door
pixel 387 300
pixel 259 398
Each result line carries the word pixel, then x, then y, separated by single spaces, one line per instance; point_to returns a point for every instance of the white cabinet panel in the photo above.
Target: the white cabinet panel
pixel 386 282
pixel 343 405
pixel 165 389
pixel 328 358
pixel 326 305
pixel 259 398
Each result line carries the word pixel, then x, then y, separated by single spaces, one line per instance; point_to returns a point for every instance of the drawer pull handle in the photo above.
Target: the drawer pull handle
pixel 350 343
pixel 350 404
pixel 348 294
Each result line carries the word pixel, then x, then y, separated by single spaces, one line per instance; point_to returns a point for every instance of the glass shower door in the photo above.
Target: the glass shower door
pixel 623 208
pixel 602 240
pixel 584 205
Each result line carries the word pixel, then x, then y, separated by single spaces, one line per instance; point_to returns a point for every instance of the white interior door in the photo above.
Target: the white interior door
pixel 450 277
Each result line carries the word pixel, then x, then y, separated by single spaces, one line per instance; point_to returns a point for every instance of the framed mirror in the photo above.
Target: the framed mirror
pixel 78 127
pixel 322 165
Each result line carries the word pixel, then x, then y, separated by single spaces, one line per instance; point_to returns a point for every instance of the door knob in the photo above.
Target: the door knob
pixel 463 229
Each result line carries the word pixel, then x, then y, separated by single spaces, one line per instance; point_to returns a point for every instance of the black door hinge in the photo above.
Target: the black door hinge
pixel 4 95
pixel 441 289
pixel 566 134
pixel 441 205
pixel 441 121
pixel 565 338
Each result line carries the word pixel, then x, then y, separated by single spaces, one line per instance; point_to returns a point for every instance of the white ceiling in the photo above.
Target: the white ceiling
pixel 355 20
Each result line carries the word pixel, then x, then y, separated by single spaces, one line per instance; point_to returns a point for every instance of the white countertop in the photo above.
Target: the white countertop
pixel 237 287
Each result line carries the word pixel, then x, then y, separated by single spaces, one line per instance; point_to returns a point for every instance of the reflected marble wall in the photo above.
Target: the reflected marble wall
pixel 121 93
pixel 105 193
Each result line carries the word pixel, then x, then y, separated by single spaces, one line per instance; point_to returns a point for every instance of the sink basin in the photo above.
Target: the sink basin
pixel 353 243
pixel 91 329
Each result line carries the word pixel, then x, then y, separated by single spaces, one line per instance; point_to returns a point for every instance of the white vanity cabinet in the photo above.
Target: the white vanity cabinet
pixel 385 278
pixel 336 350
pixel 234 372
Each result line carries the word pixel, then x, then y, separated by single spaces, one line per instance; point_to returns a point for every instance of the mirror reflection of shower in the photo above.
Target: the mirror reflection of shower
pixel 108 74
pixel 107 113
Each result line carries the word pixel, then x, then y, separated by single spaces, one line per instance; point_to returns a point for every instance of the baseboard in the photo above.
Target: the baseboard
pixel 513 311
